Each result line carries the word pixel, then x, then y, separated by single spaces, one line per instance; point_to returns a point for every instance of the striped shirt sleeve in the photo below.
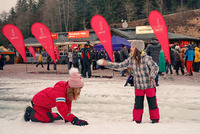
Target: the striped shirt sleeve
pixel 60 99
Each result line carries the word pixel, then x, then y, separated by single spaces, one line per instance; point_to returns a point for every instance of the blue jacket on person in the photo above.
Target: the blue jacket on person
pixel 189 54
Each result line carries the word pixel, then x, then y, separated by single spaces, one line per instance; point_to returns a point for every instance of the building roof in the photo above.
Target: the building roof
pixel 127 33
pixel 63 40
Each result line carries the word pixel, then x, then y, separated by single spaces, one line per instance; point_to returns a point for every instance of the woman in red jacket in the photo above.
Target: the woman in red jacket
pixel 59 96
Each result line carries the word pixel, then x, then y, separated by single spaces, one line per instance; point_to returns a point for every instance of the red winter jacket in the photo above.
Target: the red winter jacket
pixel 55 96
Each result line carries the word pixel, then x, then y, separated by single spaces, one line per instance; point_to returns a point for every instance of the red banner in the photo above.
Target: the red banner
pixel 102 30
pixel 43 35
pixel 14 35
pixel 159 27
pixel 57 52
pixel 32 51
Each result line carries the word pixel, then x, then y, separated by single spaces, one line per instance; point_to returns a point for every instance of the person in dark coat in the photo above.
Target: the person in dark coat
pixel 54 64
pixel 75 58
pixel 87 60
pixel 178 61
pixel 117 56
pixel 102 55
pixel 2 61
pixel 48 61
pixel 153 50
pixel 123 53
pixel 169 66
pixel 94 59
pixel 81 60
pixel 123 56
pixel 69 55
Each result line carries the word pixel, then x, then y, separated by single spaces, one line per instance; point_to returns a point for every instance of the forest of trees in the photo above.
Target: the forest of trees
pixel 74 15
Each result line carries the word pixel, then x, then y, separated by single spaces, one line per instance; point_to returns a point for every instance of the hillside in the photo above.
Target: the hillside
pixel 185 23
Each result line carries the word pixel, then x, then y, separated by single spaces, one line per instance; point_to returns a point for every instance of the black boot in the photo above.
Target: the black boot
pixel 155 121
pixel 125 84
pixel 138 122
pixel 191 74
pixel 27 113
pixel 183 73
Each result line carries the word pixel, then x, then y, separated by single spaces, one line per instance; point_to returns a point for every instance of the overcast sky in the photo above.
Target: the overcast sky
pixel 7 5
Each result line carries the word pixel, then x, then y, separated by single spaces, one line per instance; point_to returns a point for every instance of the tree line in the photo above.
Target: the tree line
pixel 75 15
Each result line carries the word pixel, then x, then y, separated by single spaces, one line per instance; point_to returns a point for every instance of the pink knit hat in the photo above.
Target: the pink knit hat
pixel 75 80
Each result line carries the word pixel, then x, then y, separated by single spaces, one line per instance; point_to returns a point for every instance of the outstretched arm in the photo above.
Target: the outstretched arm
pixel 118 66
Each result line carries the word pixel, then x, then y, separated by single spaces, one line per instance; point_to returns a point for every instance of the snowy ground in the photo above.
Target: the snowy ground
pixel 105 103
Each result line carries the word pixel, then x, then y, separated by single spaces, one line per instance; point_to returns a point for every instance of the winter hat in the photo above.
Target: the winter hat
pixel 75 80
pixel 177 47
pixel 139 44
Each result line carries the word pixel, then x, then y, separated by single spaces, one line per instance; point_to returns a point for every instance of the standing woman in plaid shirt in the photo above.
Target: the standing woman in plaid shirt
pixel 144 72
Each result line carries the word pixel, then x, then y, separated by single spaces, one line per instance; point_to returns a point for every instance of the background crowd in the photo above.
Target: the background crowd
pixel 184 59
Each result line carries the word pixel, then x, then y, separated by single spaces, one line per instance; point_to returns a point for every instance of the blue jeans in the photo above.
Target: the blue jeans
pixel 169 67
pixel 130 77
pixel 123 72
pixel 157 76
pixel 69 65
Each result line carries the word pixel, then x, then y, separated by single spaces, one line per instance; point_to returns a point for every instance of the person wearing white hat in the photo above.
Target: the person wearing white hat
pixel 144 72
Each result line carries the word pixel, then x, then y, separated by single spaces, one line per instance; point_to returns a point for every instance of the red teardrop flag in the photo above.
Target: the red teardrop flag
pixel 43 35
pixel 159 27
pixel 102 30
pixel 14 35
pixel 32 51
pixel 57 52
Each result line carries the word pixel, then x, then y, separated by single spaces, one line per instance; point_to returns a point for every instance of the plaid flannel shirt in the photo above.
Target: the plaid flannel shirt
pixel 148 69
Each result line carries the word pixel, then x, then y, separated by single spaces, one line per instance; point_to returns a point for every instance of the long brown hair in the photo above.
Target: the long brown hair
pixel 73 94
pixel 137 57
